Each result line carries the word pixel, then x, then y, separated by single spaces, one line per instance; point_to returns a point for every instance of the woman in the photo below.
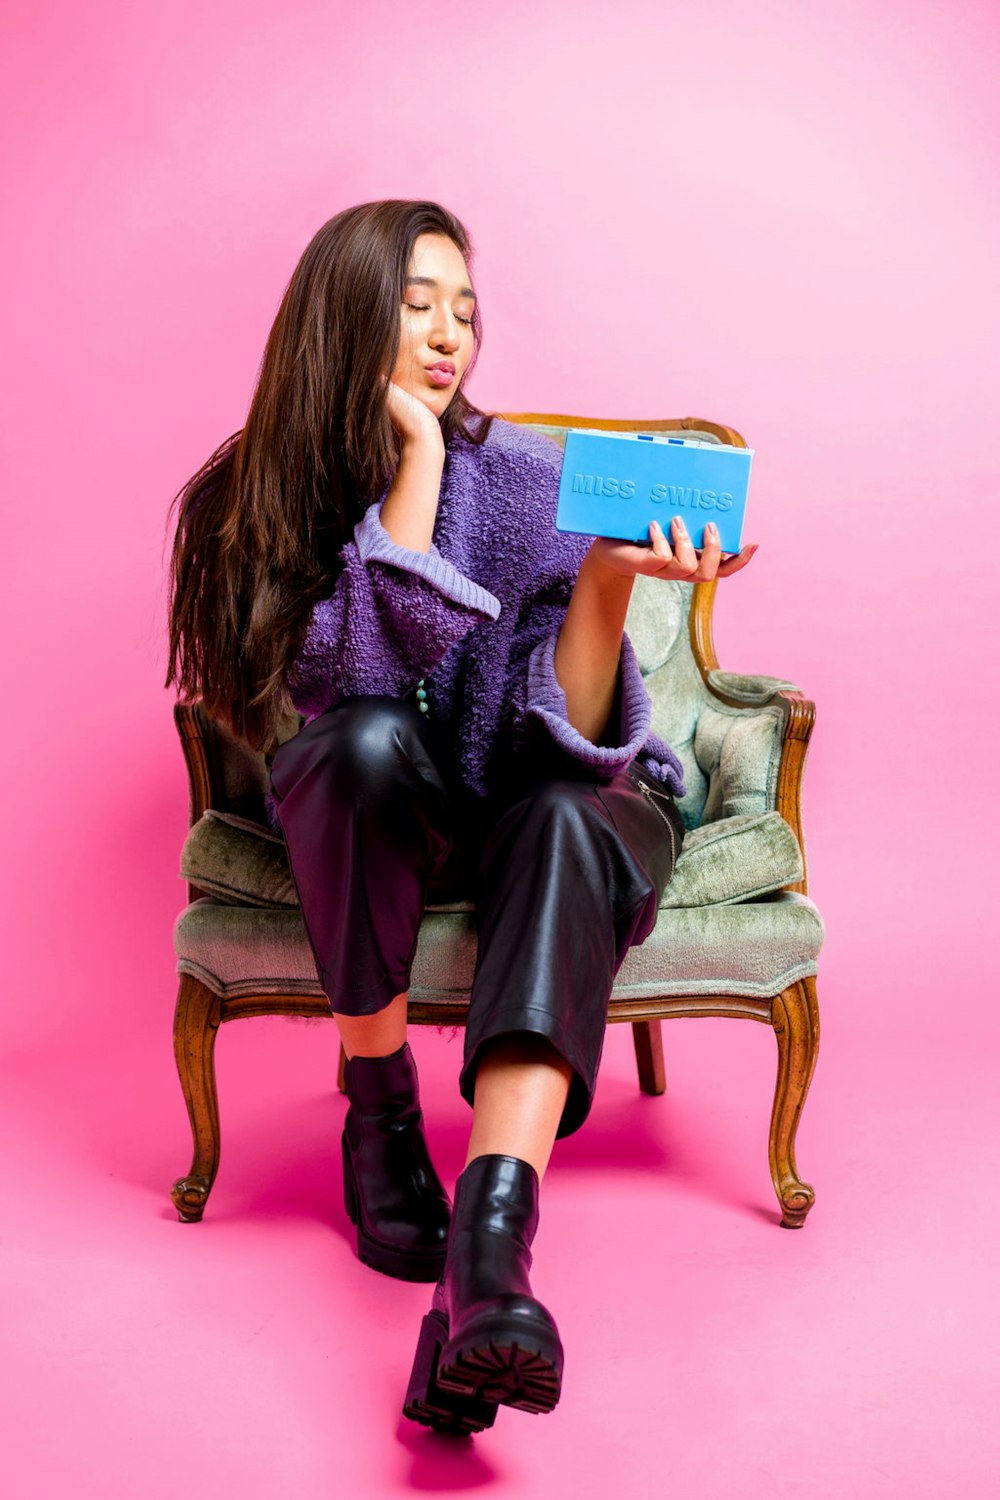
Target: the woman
pixel 377 554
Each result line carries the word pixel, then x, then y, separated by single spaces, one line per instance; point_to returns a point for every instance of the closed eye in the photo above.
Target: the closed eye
pixel 413 305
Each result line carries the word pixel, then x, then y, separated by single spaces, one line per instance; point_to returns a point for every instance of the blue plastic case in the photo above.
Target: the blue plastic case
pixel 615 483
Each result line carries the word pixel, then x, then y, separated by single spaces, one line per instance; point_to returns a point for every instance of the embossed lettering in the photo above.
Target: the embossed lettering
pixel 603 484
pixel 678 496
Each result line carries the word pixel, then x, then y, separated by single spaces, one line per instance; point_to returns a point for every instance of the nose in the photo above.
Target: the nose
pixel 445 336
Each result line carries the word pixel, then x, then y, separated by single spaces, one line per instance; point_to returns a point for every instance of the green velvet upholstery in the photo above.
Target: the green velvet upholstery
pixel 727 926
pixel 236 860
pixel 754 949
pixel 734 859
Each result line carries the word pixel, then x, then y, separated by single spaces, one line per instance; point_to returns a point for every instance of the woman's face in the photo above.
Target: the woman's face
pixel 436 321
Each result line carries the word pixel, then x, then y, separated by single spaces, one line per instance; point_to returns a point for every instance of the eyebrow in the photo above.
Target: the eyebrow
pixel 463 291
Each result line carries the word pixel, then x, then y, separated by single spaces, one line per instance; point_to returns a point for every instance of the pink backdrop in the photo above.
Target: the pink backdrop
pixel 778 216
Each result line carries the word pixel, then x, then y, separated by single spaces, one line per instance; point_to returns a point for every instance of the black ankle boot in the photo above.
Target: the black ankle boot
pixel 391 1190
pixel 487 1340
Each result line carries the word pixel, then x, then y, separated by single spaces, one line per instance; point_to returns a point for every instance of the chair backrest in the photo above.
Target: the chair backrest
pixel 224 773
pixel 669 624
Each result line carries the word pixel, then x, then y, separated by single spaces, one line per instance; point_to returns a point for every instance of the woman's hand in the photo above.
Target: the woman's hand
pixel 682 561
pixel 414 421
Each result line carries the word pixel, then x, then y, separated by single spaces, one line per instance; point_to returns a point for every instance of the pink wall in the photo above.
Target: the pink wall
pixel 778 216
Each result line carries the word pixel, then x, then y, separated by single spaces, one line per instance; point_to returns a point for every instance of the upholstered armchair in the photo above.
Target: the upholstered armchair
pixel 737 934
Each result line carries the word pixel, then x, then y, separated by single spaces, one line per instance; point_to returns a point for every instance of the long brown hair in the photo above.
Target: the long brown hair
pixel 261 522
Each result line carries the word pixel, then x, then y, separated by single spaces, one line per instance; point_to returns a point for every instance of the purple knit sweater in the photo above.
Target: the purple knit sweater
pixel 477 617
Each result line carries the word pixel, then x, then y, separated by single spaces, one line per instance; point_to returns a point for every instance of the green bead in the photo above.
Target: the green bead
pixel 421 693
pixel 422 707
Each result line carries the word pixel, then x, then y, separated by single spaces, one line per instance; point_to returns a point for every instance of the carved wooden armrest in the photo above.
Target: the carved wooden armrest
pixel 750 691
pixel 798 715
pixel 189 716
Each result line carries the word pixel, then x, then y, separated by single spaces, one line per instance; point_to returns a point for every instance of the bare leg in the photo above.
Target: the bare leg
pixel 377 1035
pixel 521 1087
pixel 521 1084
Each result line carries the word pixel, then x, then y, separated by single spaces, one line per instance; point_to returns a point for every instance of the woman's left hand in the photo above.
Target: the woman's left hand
pixel 681 561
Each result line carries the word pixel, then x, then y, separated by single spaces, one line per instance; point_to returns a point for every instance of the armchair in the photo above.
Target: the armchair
pixel 737 934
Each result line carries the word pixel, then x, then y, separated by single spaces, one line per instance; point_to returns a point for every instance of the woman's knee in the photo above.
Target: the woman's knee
pixel 355 743
pixel 556 806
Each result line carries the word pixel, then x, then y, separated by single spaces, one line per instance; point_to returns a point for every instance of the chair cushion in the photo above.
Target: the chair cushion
pixel 732 859
pixel 238 861
pixel 755 948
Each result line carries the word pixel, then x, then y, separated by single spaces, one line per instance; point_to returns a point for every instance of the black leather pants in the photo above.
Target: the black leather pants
pixel 565 870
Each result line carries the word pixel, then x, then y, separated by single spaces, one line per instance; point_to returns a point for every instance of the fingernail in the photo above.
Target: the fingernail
pixel 711 527
pixel 679 523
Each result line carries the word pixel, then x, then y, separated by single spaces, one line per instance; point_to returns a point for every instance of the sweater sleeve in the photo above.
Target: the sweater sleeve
pixel 536 702
pixel 393 615
pixel 628 735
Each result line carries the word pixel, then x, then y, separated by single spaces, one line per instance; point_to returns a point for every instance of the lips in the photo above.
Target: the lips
pixel 441 374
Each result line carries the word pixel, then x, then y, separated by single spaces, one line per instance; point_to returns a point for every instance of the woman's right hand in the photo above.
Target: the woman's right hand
pixel 414 421
pixel 683 562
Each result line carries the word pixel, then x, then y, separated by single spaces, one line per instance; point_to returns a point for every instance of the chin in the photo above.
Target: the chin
pixel 431 404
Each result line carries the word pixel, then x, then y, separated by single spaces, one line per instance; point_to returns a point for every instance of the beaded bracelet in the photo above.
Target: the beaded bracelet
pixel 422 703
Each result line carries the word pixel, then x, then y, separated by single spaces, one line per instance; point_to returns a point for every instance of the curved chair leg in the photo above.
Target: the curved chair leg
pixel 647 1038
pixel 196 1022
pixel 341 1075
pixel 795 1018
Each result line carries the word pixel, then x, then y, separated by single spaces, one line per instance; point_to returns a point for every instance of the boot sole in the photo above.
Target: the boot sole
pixel 405 1265
pixel 427 1402
pixel 510 1363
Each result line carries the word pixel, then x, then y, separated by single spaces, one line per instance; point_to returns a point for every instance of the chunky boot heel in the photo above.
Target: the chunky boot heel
pixel 500 1344
pixel 392 1192
pixel 446 1411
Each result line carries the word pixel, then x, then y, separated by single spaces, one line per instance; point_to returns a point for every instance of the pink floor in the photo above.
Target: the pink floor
pixel 709 1353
